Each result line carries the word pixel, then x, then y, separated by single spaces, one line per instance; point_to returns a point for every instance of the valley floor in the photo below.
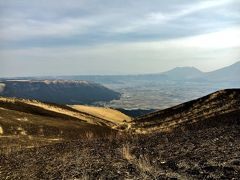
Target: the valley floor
pixel 210 153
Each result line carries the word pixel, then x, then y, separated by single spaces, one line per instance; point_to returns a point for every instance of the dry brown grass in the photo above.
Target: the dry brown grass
pixel 143 163
pixel 89 135
pixel 1 130
pixel 126 152
pixel 91 115
pixel 104 113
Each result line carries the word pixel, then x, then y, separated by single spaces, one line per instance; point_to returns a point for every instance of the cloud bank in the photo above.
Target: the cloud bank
pixel 40 37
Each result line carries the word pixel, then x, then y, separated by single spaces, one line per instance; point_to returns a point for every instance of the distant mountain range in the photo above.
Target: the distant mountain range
pixel 229 73
pixel 86 90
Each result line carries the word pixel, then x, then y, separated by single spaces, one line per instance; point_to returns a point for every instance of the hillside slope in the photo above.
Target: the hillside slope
pixel 220 107
pixel 31 117
pixel 27 125
pixel 109 114
pixel 84 114
pixel 48 125
pixel 57 91
pixel 229 73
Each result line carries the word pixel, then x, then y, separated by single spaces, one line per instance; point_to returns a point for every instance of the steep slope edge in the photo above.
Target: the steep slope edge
pixel 58 91
pixel 219 107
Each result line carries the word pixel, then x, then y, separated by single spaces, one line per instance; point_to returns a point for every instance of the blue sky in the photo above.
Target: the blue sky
pixel 59 37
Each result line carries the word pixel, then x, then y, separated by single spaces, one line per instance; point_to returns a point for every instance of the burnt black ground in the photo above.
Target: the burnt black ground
pixel 208 153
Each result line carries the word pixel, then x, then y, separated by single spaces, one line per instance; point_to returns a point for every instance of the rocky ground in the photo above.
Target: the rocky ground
pixel 209 153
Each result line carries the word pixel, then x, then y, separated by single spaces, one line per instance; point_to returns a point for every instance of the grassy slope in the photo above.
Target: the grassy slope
pixel 54 110
pixel 219 107
pixel 20 123
pixel 104 113
pixel 32 123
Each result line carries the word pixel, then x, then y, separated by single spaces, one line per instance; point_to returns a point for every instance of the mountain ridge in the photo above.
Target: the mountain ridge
pixel 58 91
pixel 205 109
pixel 228 73
pixel 183 73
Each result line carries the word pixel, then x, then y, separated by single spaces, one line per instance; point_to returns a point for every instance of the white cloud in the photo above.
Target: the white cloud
pixel 30 28
pixel 227 38
pixel 21 24
pixel 158 18
pixel 125 58
pixel 186 10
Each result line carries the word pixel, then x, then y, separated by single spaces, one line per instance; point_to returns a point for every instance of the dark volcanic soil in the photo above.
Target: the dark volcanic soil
pixel 209 153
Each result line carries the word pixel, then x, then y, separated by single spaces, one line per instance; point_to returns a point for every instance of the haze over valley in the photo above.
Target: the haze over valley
pixel 144 91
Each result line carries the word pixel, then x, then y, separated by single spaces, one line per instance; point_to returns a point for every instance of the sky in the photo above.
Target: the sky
pixel 76 37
